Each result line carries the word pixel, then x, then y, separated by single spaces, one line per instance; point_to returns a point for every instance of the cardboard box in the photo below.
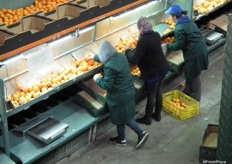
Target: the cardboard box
pixel 4 35
pixel 32 23
pixel 103 3
pixel 66 10
pixel 208 147
pixel 92 3
pixel 69 10
pixel 220 23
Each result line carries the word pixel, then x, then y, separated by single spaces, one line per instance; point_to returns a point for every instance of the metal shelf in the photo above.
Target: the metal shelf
pixel 55 90
pixel 68 112
pixel 5 159
pixel 212 11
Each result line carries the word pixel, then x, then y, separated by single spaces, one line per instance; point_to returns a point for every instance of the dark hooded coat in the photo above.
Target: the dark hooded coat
pixel 117 80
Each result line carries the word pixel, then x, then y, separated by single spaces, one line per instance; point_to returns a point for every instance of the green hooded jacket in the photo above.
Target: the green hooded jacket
pixel 118 81
pixel 189 39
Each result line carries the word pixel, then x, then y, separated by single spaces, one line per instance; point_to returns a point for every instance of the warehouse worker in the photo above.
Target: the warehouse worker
pixel 189 39
pixel 117 80
pixel 149 57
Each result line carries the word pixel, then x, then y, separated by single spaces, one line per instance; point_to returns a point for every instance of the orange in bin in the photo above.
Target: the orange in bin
pixel 180 105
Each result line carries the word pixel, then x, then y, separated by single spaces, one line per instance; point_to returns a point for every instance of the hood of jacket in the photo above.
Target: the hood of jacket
pixel 183 20
pixel 106 51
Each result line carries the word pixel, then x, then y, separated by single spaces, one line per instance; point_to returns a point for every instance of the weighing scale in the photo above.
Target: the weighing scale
pixel 43 128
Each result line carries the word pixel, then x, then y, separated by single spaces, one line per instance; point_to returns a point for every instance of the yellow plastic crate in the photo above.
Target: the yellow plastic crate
pixel 181 113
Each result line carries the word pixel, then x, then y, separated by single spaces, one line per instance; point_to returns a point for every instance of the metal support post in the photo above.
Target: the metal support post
pixel 94 132
pixel 4 119
pixel 224 149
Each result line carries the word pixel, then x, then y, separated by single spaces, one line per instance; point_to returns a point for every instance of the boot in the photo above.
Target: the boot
pixel 156 117
pixel 144 120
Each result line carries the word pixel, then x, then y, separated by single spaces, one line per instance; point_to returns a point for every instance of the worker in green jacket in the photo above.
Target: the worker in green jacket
pixel 118 81
pixel 189 39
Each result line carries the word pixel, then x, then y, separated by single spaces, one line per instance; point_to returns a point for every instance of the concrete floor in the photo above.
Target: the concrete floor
pixel 171 141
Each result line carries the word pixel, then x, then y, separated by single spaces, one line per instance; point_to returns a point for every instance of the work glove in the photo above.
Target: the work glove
pixel 127 48
pixel 91 55
pixel 96 76
pixel 164 48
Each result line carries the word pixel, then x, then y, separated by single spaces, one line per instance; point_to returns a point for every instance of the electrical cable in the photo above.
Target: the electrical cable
pixel 8 77
pixel 6 90
pixel 7 74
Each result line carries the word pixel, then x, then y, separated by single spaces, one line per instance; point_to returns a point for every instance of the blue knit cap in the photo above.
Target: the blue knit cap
pixel 174 10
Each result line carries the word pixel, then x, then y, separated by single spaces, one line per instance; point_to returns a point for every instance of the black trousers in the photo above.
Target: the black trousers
pixel 193 87
pixel 154 98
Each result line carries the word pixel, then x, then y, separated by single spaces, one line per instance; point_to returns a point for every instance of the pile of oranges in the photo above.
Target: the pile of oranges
pixel 208 5
pixel 171 23
pixel 178 103
pixel 9 16
pixel 135 70
pixel 24 95
pixel 129 42
pixel 168 40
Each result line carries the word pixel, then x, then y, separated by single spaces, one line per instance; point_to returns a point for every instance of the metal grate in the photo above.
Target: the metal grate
pixel 76 144
pixel 72 146
pixel 65 150
pixel 103 126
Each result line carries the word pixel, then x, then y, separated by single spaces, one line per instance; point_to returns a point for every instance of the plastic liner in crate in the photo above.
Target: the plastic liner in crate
pixel 139 86
pixel 180 105
pixel 208 147
pixel 92 105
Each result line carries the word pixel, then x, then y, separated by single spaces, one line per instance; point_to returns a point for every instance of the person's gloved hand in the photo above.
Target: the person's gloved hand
pixel 129 55
pixel 91 55
pixel 127 48
pixel 164 48
pixel 97 76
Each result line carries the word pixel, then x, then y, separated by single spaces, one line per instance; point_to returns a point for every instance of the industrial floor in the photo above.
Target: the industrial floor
pixel 171 141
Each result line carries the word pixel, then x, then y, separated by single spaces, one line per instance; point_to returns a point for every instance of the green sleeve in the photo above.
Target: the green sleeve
pixel 179 41
pixel 107 81
pixel 96 58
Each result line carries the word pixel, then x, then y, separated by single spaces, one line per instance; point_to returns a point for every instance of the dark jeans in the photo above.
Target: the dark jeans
pixel 133 125
pixel 154 98
pixel 193 88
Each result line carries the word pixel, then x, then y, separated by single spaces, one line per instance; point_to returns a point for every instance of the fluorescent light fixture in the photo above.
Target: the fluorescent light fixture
pixel 70 36
pixel 59 40
pixel 86 30
pixel 134 10
pixel 12 59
